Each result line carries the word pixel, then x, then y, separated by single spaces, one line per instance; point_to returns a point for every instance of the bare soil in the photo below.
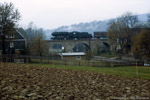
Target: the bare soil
pixel 18 81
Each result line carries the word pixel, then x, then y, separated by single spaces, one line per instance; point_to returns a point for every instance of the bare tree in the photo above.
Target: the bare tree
pixel 9 16
pixel 38 46
pixel 121 31
pixel 141 46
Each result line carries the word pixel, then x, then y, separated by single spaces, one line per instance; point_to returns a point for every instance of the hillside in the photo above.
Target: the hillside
pixel 89 26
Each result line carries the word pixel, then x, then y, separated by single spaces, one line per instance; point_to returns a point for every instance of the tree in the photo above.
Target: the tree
pixel 121 31
pixel 9 16
pixel 142 44
pixel 31 31
pixel 38 46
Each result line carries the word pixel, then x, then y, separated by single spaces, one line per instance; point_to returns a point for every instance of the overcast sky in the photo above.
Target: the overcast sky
pixel 51 14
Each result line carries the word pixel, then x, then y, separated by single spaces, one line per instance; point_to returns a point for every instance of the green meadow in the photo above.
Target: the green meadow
pixel 125 71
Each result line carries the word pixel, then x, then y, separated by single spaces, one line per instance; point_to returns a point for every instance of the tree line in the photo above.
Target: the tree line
pixel 129 36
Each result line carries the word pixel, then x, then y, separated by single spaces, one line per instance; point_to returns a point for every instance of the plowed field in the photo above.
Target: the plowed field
pixel 18 81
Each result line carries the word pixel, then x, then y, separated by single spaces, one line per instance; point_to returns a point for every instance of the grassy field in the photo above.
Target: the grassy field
pixel 126 71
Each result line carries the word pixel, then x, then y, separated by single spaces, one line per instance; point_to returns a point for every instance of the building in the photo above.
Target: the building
pixel 100 35
pixel 73 56
pixel 15 43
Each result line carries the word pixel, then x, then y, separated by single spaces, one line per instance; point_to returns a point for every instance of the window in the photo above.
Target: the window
pixel 11 36
pixel 11 44
pixel 78 57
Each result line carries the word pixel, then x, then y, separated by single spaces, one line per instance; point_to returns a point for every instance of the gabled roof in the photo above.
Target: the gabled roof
pixel 20 34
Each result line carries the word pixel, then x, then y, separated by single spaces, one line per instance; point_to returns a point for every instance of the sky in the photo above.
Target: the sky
pixel 50 14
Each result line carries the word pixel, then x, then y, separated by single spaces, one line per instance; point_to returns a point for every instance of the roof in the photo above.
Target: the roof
pixel 20 34
pixel 72 54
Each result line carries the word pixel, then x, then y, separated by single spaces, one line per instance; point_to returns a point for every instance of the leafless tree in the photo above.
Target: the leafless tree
pixel 121 31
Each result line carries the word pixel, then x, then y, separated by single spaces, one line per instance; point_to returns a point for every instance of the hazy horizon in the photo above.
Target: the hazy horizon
pixel 50 14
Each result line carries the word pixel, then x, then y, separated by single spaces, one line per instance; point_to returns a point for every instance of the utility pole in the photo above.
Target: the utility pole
pixel 39 47
pixel 40 50
pixel 89 51
pixel 137 69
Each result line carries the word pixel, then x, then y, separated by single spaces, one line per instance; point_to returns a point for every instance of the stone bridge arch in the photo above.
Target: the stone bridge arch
pixel 81 46
pixel 51 44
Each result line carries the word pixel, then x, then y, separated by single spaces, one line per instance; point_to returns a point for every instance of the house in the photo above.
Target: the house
pixel 100 35
pixel 15 43
pixel 73 56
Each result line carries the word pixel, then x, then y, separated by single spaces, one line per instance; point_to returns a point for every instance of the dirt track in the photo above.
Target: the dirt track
pixel 31 82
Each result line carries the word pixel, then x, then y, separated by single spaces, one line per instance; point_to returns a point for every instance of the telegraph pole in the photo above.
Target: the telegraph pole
pixel 40 50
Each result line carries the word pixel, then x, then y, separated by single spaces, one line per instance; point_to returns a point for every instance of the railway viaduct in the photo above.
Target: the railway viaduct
pixel 93 44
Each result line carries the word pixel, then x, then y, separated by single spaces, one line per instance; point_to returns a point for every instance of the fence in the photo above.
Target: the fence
pixel 57 60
